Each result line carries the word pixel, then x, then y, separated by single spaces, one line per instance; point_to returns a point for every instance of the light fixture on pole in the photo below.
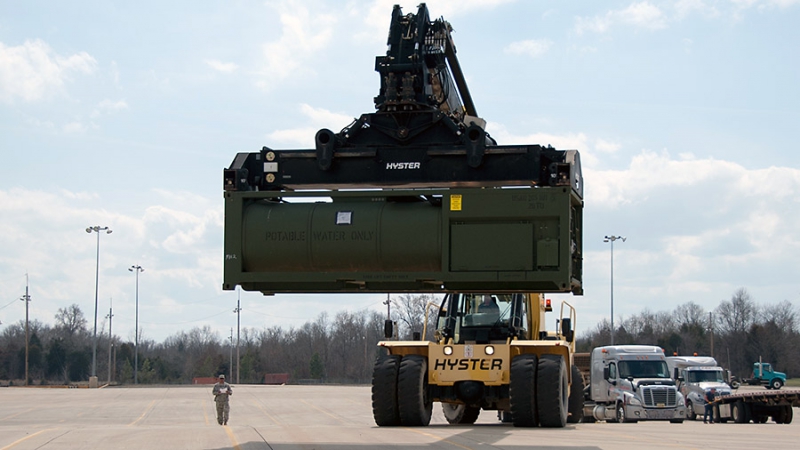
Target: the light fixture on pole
pixel 611 239
pixel 136 269
pixel 96 229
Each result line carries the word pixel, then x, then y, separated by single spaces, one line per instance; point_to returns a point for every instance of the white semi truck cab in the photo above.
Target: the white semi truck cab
pixel 631 383
pixel 695 376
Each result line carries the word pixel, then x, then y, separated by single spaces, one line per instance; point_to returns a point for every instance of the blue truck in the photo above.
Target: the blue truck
pixel 763 375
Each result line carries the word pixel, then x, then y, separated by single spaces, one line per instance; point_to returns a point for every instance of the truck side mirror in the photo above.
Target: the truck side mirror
pixel 606 373
pixel 388 329
pixel 675 373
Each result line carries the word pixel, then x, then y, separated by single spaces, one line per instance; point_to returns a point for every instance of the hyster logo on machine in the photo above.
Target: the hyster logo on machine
pixel 402 165
pixel 468 364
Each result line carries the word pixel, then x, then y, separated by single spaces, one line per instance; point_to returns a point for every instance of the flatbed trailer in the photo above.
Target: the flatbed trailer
pixel 757 406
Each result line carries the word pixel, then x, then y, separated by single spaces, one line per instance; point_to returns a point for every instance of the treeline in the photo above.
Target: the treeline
pixel 737 333
pixel 342 348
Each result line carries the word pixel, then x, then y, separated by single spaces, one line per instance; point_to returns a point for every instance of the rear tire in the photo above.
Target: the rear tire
pixel 384 391
pixel 740 412
pixel 460 414
pixel 576 397
pixel 552 391
pixel 412 392
pixel 522 391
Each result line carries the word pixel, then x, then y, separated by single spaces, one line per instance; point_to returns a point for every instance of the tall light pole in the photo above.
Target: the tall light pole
pixel 96 229
pixel 238 312
pixel 611 239
pixel 136 269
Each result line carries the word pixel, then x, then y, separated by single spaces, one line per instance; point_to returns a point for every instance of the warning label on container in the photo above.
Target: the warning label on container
pixel 455 202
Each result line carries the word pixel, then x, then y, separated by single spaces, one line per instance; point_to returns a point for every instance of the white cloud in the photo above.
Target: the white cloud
pixel 107 106
pixel 220 66
pixel 640 15
pixel 297 44
pixel 532 48
pixel 33 70
pixel 74 127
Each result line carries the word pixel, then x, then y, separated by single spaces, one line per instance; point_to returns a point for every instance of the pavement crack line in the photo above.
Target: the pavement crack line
pixel 262 438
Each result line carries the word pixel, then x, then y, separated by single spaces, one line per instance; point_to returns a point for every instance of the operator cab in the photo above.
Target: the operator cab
pixel 482 318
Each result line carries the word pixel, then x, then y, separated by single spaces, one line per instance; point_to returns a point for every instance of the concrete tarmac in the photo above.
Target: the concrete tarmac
pixel 317 417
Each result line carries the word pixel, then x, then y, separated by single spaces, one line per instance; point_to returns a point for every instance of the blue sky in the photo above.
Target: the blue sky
pixel 124 115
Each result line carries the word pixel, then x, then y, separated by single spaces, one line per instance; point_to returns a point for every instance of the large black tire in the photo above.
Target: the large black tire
pixel 384 391
pixel 740 412
pixel 619 414
pixel 552 391
pixel 690 414
pixel 787 417
pixel 576 397
pixel 522 391
pixel 460 414
pixel 412 392
pixel 776 383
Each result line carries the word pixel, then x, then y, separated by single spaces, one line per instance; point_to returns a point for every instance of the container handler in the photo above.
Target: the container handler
pixel 417 197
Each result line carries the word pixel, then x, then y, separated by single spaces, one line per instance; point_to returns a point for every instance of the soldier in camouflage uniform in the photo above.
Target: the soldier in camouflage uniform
pixel 222 391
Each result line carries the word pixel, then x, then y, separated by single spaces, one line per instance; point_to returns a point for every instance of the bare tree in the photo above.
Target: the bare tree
pixel 737 315
pixel 411 312
pixel 70 320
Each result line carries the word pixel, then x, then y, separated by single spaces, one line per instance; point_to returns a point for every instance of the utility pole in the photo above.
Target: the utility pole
pixel 230 367
pixel 238 311
pixel 110 339
pixel 26 298
pixel 711 328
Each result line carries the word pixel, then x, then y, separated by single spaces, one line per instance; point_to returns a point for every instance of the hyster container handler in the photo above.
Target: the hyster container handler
pixel 416 197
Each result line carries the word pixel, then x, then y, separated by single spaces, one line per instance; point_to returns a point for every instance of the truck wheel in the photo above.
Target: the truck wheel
pixel 787 417
pixel 740 412
pixel 690 414
pixel 576 397
pixel 735 384
pixel 552 391
pixel 776 383
pixel 412 392
pixel 384 391
pixel 460 414
pixel 522 391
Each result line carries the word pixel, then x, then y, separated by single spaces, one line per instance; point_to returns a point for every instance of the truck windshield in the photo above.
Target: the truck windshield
pixel 699 376
pixel 643 369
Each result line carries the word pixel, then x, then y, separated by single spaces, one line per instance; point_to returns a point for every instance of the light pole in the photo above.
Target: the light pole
pixel 96 229
pixel 136 270
pixel 611 239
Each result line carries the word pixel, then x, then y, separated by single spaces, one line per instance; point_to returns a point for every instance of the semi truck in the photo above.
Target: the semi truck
pixel 695 376
pixel 416 197
pixel 764 375
pixel 629 383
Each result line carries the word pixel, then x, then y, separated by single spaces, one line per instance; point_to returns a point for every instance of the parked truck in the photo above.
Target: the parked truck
pixel 417 197
pixel 695 376
pixel 629 383
pixel 764 375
